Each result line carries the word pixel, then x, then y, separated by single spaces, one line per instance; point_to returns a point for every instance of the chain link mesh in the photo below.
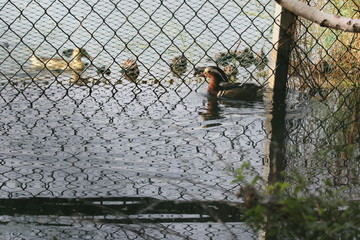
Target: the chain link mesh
pixel 113 144
pixel 324 67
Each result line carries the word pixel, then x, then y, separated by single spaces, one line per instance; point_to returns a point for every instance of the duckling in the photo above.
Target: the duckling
pixel 246 91
pixel 5 45
pixel 79 80
pixel 130 69
pixel 231 72
pixel 75 62
pixel 261 60
pixel 224 58
pixel 245 58
pixel 178 65
pixel 68 52
pixel 103 71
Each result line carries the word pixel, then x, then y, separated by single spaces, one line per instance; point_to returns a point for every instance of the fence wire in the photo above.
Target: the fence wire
pixel 324 67
pixel 115 133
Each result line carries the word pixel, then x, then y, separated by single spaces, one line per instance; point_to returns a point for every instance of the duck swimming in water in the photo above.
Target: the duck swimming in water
pixel 75 63
pixel 130 69
pixel 236 91
pixel 178 65
pixel 231 71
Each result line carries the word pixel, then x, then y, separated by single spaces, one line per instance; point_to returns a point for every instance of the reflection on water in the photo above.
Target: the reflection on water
pixel 215 108
pixel 109 139
pixel 324 140
pixel 103 138
pixel 90 130
pixel 213 111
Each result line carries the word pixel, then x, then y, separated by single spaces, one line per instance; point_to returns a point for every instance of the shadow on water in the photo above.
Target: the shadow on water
pixel 215 108
pixel 125 210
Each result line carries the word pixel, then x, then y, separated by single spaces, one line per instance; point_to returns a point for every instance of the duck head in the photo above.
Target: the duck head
pixel 215 74
pixel 81 52
pixel 76 53
pixel 130 69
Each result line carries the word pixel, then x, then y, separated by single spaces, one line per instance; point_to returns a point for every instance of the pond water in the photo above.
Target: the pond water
pixel 102 143
pixel 103 140
pixel 120 142
pixel 125 143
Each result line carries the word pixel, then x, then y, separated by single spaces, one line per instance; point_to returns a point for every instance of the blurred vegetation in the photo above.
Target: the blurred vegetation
pixel 290 209
pixel 326 58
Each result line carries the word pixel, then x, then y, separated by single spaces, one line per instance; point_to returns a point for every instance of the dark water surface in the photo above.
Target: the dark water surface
pixel 92 146
pixel 125 143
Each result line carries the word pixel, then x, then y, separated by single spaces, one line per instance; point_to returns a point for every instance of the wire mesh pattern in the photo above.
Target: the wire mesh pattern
pixel 324 67
pixel 103 110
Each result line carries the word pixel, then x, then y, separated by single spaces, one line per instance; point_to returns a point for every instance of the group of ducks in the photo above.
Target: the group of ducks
pixel 74 63
pixel 219 84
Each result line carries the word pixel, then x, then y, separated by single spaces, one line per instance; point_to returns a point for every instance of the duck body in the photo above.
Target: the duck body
pixel 261 60
pixel 246 92
pixel 130 70
pixel 245 58
pixel 75 63
pixel 236 91
pixel 103 71
pixel 178 65
pixel 231 71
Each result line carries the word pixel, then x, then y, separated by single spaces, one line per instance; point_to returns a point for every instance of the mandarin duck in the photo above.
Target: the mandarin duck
pixel 75 63
pixel 130 69
pixel 246 91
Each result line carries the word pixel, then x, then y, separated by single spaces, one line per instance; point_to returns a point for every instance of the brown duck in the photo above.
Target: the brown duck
pixel 75 63
pixel 245 91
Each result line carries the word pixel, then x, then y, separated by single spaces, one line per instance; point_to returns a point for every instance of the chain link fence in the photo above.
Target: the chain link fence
pixel 324 68
pixel 114 135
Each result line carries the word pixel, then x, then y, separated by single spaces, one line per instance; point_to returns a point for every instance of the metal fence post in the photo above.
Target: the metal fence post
pixel 275 122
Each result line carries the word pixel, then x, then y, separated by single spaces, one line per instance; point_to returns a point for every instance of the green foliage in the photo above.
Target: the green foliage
pixel 290 210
